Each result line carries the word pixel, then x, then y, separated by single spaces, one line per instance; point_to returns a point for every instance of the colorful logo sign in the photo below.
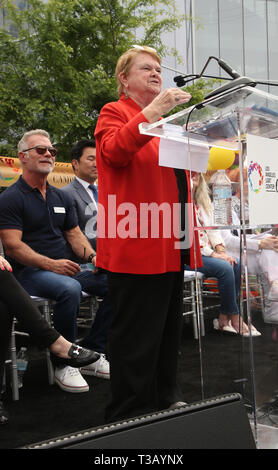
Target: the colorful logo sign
pixel 255 177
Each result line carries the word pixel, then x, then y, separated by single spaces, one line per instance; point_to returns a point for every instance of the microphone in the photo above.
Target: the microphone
pixel 233 73
pixel 236 79
pixel 180 79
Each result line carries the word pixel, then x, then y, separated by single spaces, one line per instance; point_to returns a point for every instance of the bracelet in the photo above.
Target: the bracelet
pixel 90 257
pixel 259 245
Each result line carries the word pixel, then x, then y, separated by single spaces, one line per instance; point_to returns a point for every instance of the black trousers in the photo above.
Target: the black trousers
pixel 15 302
pixel 143 343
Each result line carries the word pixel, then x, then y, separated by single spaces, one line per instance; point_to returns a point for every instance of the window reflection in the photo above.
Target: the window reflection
pixel 243 33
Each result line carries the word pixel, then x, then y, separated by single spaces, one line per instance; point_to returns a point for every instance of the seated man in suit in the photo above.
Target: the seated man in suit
pixel 84 196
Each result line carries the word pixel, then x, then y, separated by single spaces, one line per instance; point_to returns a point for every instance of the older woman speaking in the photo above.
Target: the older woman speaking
pixel 143 259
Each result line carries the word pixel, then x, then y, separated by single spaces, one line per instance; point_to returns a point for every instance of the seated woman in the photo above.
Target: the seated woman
pixel 14 301
pixel 262 252
pixel 217 263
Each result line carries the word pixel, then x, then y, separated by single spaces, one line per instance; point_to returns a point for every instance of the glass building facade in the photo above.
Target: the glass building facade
pixel 244 33
pixel 22 5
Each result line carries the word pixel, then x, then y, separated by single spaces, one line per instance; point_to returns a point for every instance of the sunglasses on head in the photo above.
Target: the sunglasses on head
pixel 141 48
pixel 41 150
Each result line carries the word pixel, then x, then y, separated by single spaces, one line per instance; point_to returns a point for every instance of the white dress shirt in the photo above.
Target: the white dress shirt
pixel 86 185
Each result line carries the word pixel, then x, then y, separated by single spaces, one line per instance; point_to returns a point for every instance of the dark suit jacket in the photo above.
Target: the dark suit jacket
pixel 85 210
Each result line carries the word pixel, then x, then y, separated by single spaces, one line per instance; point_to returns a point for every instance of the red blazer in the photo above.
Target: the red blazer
pixel 130 239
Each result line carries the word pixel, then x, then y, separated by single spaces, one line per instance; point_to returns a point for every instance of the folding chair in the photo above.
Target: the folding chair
pixel 46 305
pixel 12 361
pixel 193 296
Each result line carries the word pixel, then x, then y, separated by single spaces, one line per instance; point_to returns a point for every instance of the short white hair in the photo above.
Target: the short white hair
pixel 23 141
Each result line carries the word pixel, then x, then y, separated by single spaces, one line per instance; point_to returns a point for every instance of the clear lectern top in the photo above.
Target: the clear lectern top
pixel 222 120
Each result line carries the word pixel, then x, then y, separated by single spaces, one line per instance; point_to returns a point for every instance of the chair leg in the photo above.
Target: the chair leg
pixel 14 376
pixel 194 315
pixel 93 306
pixel 50 370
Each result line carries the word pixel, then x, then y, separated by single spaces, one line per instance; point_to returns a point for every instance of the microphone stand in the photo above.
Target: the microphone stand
pixel 181 80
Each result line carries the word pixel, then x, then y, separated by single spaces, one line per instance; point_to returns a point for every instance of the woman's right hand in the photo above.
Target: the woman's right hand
pixel 4 264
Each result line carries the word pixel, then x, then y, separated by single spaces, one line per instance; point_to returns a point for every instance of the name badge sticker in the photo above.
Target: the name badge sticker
pixel 59 210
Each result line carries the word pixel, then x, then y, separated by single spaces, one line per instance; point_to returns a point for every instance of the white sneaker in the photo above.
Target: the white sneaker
pixel 100 368
pixel 69 379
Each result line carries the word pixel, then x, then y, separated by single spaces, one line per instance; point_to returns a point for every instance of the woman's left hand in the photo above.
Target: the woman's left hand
pixel 4 264
pixel 164 102
pixel 225 257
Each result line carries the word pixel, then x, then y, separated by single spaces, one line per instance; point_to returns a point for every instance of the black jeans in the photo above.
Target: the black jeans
pixel 143 343
pixel 15 302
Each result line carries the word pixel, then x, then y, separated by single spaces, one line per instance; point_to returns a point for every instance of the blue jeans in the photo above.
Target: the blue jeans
pixel 66 292
pixel 228 281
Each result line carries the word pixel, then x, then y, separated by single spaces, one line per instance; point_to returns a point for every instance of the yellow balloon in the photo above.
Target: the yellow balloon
pixel 220 159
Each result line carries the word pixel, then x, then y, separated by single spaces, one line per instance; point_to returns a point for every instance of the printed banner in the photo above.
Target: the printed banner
pixel 10 170
pixel 262 174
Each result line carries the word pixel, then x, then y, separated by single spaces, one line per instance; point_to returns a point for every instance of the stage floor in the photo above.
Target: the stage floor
pixel 44 412
pixel 267 436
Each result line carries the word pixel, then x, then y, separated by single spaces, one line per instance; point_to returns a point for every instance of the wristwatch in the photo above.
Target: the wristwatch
pixel 90 257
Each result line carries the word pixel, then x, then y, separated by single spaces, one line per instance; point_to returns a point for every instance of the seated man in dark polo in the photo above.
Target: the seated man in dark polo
pixel 36 223
pixel 84 195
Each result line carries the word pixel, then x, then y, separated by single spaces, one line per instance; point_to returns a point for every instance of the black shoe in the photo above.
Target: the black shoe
pixel 4 416
pixel 78 357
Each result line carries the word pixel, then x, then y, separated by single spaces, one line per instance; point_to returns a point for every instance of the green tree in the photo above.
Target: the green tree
pixel 57 72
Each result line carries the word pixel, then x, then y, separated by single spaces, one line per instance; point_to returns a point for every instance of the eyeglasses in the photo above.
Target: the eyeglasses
pixel 41 150
pixel 141 48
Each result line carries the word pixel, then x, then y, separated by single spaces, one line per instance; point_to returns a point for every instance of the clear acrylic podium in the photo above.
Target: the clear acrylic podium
pixel 230 120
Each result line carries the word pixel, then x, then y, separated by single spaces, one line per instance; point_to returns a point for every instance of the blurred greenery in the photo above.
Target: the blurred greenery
pixel 57 63
pixel 198 91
